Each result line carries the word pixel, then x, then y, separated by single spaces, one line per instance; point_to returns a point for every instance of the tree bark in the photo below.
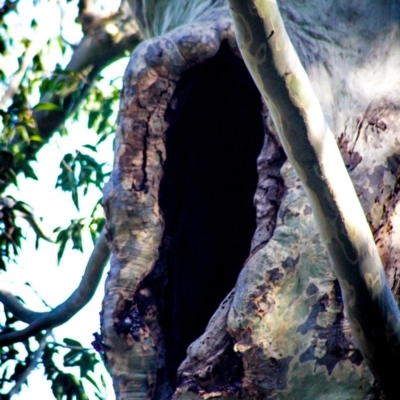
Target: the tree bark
pixel 282 332
pixel 311 148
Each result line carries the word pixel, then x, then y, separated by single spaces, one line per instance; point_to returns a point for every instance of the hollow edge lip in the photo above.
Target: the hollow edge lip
pixel 213 33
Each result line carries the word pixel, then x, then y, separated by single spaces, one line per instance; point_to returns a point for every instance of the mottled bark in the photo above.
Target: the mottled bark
pixel 283 332
pixel 311 148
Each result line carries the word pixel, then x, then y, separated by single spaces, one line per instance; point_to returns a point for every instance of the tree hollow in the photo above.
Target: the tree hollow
pixel 215 134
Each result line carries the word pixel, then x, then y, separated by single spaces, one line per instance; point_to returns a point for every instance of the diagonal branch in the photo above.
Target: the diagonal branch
pixel 39 39
pixel 108 38
pixel 311 147
pixel 62 313
pixel 30 367
pixel 14 305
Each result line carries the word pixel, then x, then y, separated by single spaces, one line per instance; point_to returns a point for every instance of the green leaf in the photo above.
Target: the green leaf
pixel 37 63
pixel 77 239
pixel 71 358
pixel 28 171
pixel 2 46
pixel 90 147
pixel 47 107
pixel 61 249
pixel 83 359
pixel 2 264
pixel 22 132
pixel 92 381
pixel 93 116
pixel 67 385
pixel 72 342
pixel 67 180
pixel 36 138
pixel 21 206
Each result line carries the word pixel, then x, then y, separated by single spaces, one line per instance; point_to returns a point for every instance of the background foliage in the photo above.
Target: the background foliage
pixel 34 54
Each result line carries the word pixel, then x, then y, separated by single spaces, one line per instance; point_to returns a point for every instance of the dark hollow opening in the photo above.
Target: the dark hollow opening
pixel 214 137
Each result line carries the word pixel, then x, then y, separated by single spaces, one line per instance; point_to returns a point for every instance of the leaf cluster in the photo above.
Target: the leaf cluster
pixel 78 365
pixel 14 359
pixel 80 171
pixel 10 233
pixel 74 231
pixel 102 109
pixel 19 141
pixel 60 92
pixel 66 385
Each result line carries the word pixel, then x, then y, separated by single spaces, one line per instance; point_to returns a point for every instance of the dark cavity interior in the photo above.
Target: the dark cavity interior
pixel 215 135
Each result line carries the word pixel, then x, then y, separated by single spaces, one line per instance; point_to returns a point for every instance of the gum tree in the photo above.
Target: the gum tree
pixel 236 273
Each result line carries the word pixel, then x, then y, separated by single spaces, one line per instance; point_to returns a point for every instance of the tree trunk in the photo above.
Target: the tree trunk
pixel 208 222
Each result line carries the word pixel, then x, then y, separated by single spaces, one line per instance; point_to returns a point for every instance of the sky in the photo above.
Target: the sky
pixel 54 208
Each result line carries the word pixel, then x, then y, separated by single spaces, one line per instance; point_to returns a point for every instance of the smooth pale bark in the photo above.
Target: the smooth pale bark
pixel 310 146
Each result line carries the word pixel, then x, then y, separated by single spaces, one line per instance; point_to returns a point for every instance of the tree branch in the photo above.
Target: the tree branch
pixel 312 149
pixel 39 38
pixel 31 366
pixel 14 305
pixel 106 43
pixel 84 6
pixel 62 313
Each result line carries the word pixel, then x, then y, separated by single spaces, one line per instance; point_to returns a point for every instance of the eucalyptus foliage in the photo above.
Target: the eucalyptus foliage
pixel 33 81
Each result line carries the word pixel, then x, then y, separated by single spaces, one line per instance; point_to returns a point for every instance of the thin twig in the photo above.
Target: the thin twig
pixel 45 303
